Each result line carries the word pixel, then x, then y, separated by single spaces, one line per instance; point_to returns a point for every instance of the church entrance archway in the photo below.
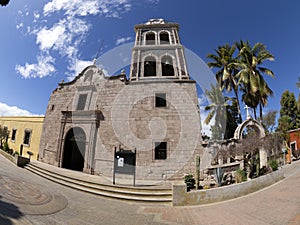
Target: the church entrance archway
pixel 74 149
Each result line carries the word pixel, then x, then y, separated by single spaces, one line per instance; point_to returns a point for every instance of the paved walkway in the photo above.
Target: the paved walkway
pixel 26 198
pixel 278 204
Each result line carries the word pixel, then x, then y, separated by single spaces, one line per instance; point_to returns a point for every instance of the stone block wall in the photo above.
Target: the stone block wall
pixel 181 197
pixel 128 118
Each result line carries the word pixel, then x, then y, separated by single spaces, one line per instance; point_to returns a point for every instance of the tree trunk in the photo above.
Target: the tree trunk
pixel 260 113
pixel 238 105
pixel 254 110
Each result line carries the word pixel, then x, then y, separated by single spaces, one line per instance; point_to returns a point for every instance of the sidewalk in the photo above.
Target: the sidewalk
pixel 278 204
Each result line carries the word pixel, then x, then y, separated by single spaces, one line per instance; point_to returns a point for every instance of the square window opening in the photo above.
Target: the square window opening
pixel 27 135
pixel 13 135
pixel 160 100
pixel 160 150
pixel 81 102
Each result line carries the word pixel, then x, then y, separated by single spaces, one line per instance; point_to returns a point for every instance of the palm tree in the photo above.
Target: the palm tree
pixel 217 108
pixel 224 60
pixel 250 100
pixel 250 75
pixel 264 92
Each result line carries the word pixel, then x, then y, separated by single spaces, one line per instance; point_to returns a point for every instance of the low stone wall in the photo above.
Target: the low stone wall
pixel 18 160
pixel 181 197
pixel 8 156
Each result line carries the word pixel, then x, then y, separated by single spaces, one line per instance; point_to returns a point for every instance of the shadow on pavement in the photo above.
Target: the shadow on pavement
pixel 8 211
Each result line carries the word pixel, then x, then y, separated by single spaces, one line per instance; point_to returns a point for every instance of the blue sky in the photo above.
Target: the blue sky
pixel 44 42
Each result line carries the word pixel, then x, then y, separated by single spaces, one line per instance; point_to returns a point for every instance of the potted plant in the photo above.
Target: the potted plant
pixel 189 180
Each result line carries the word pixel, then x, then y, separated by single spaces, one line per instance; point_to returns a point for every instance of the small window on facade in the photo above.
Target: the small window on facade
pixel 164 38
pixel 81 101
pixel 13 135
pixel 5 129
pixel 150 67
pixel 27 136
pixel 52 107
pixel 160 100
pixel 150 39
pixel 160 150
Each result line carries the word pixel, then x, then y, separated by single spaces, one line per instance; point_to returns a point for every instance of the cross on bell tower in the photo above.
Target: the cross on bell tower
pixel 157 52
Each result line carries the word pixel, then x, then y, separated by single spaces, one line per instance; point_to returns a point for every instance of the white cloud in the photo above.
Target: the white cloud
pixel 44 67
pixel 73 8
pixel 203 114
pixel 6 110
pixel 206 127
pixel 36 15
pixel 76 67
pixel 202 100
pixel 47 38
pixel 153 1
pixel 67 34
pixel 122 40
pixel 19 26
pixel 109 8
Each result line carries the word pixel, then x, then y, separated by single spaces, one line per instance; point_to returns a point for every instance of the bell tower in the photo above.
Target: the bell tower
pixel 158 53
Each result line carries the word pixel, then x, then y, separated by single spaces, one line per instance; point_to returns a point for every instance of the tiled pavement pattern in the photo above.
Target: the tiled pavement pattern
pixel 278 204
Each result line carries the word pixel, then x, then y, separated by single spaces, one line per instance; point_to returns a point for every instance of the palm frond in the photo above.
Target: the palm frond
pixel 266 71
pixel 209 117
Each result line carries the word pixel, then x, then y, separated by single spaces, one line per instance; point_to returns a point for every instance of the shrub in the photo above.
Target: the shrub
pixel 189 181
pixel 240 176
pixel 263 171
pixel 6 147
pixel 273 164
pixel 16 153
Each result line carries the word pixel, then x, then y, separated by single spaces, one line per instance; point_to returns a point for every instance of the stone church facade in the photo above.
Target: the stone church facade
pixel 154 111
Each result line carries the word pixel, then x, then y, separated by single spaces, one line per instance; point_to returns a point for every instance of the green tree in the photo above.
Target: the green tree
pixel 289 114
pixel 273 143
pixel 264 93
pixel 269 121
pixel 247 151
pixel 250 76
pixel 232 119
pixel 224 60
pixel 217 108
pixel 284 124
pixel 4 133
pixel 289 108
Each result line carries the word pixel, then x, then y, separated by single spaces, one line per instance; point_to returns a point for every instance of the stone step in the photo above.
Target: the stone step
pixel 92 179
pixel 136 194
